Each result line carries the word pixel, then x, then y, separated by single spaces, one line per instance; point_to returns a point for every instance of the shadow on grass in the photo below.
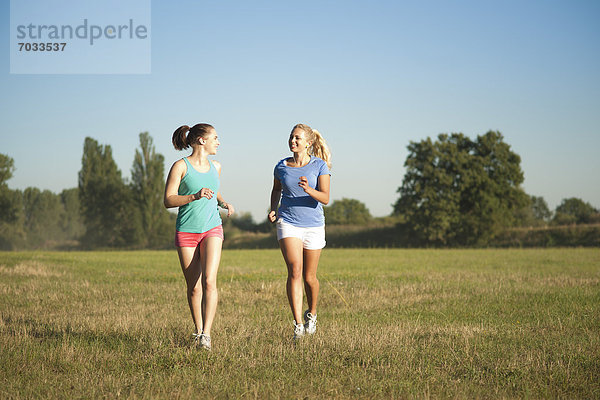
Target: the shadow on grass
pixel 107 339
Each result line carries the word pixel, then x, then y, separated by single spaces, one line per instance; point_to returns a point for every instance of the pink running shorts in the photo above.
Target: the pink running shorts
pixel 187 239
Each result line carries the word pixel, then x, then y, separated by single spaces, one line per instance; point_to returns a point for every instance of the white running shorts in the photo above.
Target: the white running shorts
pixel 312 238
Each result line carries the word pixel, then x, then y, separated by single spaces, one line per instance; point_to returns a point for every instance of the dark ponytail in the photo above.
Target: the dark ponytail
pixel 179 138
pixel 182 141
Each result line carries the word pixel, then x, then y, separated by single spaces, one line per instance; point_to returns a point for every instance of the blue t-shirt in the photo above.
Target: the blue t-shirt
pixel 297 207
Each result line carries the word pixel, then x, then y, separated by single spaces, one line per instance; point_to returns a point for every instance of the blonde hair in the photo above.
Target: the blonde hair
pixel 319 146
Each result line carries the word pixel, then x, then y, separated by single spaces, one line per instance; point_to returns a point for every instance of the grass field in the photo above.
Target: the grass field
pixel 392 323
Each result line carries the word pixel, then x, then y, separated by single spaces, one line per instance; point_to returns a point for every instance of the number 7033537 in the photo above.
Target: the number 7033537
pixel 49 46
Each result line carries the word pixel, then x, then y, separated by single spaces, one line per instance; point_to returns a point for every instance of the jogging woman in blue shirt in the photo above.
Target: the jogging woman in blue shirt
pixel 302 184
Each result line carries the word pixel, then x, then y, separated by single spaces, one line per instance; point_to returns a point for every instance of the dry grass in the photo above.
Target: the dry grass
pixel 392 323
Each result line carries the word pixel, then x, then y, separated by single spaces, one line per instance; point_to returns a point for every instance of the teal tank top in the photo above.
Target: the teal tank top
pixel 200 215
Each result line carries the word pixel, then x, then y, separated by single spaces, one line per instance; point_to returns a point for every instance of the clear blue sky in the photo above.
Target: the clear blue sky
pixel 371 76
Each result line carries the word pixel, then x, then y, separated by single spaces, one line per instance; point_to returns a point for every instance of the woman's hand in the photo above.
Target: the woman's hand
pixel 303 183
pixel 229 207
pixel 272 216
pixel 204 192
pixel 322 194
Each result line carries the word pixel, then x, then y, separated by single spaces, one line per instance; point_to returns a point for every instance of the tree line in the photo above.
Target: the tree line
pixel 463 192
pixel 104 211
pixel 456 191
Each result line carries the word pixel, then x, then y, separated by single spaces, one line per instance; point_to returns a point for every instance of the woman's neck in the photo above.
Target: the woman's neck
pixel 301 159
pixel 199 155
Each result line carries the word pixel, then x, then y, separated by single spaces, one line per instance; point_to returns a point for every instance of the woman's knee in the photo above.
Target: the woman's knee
pixel 209 283
pixel 194 291
pixel 311 279
pixel 294 271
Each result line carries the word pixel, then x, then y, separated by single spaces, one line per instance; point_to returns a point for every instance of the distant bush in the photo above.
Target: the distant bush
pixel 556 236
pixel 347 211
pixel 574 211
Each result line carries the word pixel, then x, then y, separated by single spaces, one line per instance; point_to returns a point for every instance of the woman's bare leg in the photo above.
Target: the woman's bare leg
pixel 189 257
pixel 291 248
pixel 210 257
pixel 311 283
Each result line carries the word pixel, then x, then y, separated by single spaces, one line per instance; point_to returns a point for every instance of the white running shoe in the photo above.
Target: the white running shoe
pixel 196 338
pixel 298 331
pixel 205 342
pixel 310 322
pixel 202 340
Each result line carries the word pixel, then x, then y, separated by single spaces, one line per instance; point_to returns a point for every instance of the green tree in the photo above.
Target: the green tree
pixel 457 191
pixel 71 223
pixel 104 198
pixel 540 209
pixel 534 213
pixel 147 184
pixel 574 210
pixel 11 215
pixel 429 199
pixel 347 212
pixel 9 202
pixel 242 221
pixel 43 212
pixel 7 167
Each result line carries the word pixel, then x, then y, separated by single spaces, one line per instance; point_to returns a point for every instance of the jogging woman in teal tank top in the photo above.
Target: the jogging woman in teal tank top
pixel 193 186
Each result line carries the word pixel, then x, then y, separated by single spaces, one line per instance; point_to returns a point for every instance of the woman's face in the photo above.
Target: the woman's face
pixel 297 141
pixel 211 142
